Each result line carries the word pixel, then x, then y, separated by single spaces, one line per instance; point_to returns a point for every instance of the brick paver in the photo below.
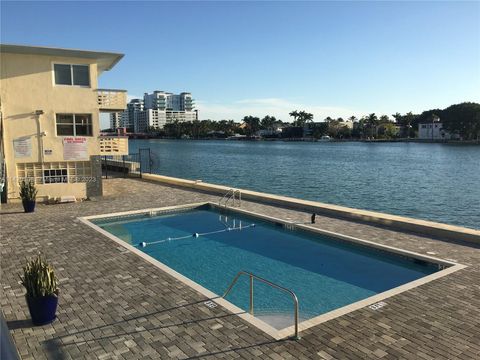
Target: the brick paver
pixel 115 305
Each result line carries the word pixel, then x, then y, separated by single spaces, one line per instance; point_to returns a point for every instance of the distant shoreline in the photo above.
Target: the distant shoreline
pixel 429 141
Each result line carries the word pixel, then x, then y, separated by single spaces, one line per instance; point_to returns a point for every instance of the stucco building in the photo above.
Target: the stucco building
pixel 50 131
pixel 433 131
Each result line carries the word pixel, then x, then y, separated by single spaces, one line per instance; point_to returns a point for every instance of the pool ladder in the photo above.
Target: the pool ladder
pixel 265 281
pixel 231 194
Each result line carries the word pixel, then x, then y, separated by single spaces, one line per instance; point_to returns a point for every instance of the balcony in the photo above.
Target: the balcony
pixel 110 100
pixel 113 145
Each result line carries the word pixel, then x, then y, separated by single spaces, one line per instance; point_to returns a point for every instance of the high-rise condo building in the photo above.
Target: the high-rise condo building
pixel 161 100
pixel 155 110
pixel 130 118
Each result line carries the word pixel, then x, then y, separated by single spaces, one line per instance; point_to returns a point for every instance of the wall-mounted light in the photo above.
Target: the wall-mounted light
pixel 38 112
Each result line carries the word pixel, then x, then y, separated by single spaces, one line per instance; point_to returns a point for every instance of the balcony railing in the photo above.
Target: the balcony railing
pixel 110 100
pixel 113 145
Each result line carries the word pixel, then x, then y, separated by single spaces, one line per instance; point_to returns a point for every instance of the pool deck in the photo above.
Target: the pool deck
pixel 115 305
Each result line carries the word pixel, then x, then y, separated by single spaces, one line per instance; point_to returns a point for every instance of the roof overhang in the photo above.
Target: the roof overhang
pixel 105 60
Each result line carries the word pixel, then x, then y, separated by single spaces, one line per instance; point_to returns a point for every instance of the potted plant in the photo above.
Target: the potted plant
pixel 42 290
pixel 28 193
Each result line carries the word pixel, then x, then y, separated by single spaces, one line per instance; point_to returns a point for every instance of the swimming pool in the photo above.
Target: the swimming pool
pixel 209 245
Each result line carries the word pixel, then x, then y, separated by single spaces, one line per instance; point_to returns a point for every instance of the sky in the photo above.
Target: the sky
pixel 257 58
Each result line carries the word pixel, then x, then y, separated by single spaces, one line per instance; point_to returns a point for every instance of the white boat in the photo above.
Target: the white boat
pixel 325 138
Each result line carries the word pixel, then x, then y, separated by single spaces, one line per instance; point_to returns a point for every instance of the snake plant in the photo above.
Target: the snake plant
pixel 28 191
pixel 39 278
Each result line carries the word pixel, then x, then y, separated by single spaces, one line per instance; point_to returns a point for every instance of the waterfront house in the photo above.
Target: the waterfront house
pixel 433 130
pixel 274 131
pixel 50 111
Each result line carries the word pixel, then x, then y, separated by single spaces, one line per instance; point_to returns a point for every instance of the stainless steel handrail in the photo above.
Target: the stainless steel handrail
pixel 224 196
pixel 230 195
pixel 239 193
pixel 230 198
pixel 253 276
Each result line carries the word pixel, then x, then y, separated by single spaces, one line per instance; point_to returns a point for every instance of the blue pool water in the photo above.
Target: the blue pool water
pixel 324 273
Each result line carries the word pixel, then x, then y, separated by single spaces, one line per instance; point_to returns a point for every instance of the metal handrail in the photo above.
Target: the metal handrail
pixel 230 195
pixel 224 196
pixel 253 276
pixel 239 197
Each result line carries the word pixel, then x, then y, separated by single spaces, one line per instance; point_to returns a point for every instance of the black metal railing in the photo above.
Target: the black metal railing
pixel 132 165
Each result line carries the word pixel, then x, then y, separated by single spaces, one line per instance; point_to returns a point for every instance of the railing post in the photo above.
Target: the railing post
pixel 106 167
pixel 251 294
pixel 140 161
pixel 123 166
pixel 149 161
pixel 296 337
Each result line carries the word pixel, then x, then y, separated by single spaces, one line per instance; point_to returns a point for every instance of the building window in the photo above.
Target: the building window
pixel 72 74
pixel 74 125
pixel 56 172
pixel 55 176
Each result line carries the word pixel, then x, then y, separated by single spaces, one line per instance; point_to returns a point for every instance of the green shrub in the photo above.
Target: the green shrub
pixel 28 191
pixel 39 278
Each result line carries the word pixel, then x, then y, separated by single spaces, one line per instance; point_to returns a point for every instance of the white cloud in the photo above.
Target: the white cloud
pixel 131 97
pixel 280 108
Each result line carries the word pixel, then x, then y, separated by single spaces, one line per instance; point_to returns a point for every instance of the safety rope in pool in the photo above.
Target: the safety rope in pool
pixel 195 235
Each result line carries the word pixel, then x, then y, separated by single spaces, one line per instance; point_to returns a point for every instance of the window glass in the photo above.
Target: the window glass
pixel 65 125
pixel 81 75
pixel 63 75
pixel 55 176
pixel 64 119
pixel 74 125
pixel 65 130
pixel 83 125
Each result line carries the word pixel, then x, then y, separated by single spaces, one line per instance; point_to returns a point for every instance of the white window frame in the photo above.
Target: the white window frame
pixel 71 75
pixel 74 124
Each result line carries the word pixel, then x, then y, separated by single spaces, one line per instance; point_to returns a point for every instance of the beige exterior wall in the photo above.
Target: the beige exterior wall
pixel 27 84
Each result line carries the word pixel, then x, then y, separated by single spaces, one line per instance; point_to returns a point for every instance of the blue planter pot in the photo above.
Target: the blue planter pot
pixel 43 309
pixel 28 205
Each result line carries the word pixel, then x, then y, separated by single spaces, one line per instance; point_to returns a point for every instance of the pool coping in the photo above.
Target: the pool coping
pixel 449 267
pixel 396 222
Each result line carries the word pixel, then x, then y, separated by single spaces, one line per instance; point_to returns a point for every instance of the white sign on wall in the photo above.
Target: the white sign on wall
pixel 75 148
pixel 22 147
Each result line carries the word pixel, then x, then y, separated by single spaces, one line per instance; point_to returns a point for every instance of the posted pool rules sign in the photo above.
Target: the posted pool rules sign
pixel 75 148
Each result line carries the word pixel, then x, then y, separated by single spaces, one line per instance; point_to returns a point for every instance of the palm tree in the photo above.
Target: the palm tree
pixel 398 117
pixel 307 117
pixel 253 124
pixel 268 122
pixel 409 118
pixel 295 115
pixel 372 122
pixel 384 119
pixel 302 118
